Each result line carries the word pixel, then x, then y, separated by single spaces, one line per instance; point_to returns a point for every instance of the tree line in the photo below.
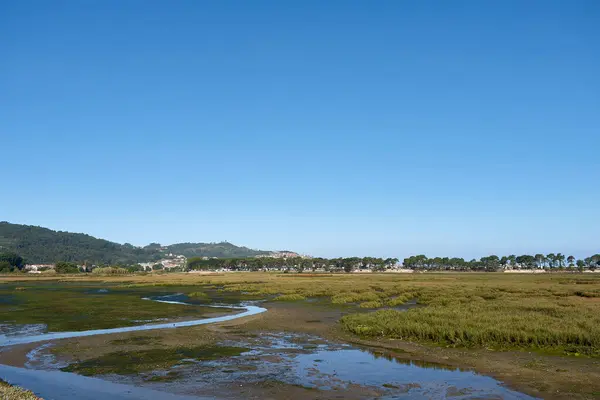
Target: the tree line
pixel 12 262
pixel 298 264
pixel 421 262
pixel 494 262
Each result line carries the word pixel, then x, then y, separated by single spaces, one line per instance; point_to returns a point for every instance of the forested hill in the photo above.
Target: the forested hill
pixel 221 250
pixel 42 245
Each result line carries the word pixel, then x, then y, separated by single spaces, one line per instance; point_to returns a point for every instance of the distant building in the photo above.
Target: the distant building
pixel 283 254
pixel 38 267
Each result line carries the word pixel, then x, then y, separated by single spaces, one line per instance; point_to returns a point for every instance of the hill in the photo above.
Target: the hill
pixel 221 250
pixel 42 245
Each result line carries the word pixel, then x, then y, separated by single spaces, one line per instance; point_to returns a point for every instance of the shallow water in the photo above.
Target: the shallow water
pixel 340 368
pixel 63 385
pixel 54 385
pixel 314 363
pixel 10 330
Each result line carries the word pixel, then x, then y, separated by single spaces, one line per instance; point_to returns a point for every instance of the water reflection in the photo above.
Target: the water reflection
pixel 377 354
pixel 401 379
pixel 312 362
pixel 63 385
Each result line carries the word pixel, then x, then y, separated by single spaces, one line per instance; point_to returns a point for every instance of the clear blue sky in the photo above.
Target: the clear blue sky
pixel 335 128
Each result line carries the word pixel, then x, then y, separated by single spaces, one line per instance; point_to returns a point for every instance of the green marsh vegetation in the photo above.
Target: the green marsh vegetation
pixel 199 295
pixel 290 297
pixel 71 306
pixel 10 392
pixel 556 313
pixel 136 341
pixel 148 360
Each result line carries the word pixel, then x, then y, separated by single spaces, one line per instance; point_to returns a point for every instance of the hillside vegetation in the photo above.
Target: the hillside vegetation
pixel 39 245
pixel 221 250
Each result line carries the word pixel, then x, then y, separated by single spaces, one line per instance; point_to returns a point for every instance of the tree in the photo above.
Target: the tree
pixel 135 268
pixel 540 260
pixel 551 259
pixel 571 261
pixel 390 262
pixel 308 264
pixel 320 263
pixel 378 265
pixel 5 267
pixel 457 263
pixel 595 261
pixel 560 258
pixel 490 263
pixel 302 264
pixel 63 267
pixel 580 265
pixel 349 264
pixel 416 262
pixel 13 259
pixel 526 260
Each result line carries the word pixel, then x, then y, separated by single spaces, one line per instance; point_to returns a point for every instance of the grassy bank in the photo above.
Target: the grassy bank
pixel 563 324
pixel 9 392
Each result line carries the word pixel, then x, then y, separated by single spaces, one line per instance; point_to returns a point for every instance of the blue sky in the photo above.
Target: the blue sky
pixel 333 128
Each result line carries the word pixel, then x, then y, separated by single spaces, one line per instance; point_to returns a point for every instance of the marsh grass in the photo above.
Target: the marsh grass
pixel 9 392
pixel 531 314
pixel 371 304
pixel 553 313
pixel 557 313
pixel 70 307
pixel 135 362
pixel 199 295
pixel 290 297
pixel 136 341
